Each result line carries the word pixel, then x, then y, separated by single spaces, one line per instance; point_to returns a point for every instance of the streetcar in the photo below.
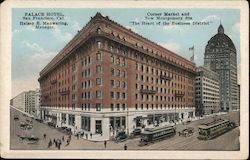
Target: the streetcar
pixel 214 129
pixel 150 135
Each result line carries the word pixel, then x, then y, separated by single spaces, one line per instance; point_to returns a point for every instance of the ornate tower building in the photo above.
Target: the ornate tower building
pixel 220 56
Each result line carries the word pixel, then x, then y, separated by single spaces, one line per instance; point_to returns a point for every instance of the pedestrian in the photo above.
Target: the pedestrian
pixel 67 142
pixel 56 144
pixel 86 136
pixel 125 147
pixel 44 136
pixel 50 143
pixel 91 135
pixel 54 141
pixel 59 145
pixel 63 138
pixel 105 144
pixel 179 133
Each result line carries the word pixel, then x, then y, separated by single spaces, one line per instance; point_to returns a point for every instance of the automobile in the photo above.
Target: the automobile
pixel 121 136
pixel 39 120
pixel 29 121
pixel 29 126
pixel 51 124
pixel 187 132
pixel 16 117
pixel 135 133
pixel 23 125
pixel 29 139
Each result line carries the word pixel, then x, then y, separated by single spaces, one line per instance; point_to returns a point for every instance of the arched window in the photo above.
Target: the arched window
pixel 99 31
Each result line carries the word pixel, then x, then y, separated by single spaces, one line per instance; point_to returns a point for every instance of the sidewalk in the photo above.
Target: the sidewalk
pixel 95 138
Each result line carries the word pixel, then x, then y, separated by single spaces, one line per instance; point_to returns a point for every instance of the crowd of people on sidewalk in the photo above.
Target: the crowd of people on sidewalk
pixel 58 141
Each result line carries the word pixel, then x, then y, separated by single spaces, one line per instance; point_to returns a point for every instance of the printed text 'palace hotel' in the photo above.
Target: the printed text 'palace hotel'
pixel 109 78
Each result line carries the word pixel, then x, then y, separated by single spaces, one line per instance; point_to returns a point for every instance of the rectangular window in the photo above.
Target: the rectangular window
pixel 99 94
pixel 124 85
pixel 99 44
pixel 118 61
pixel 98 106
pixel 124 95
pixel 98 81
pixel 117 107
pixel 123 74
pixel 112 107
pixel 112 71
pixel 112 83
pixel 118 95
pixel 98 69
pixel 98 56
pixel 113 59
pixel 123 106
pixel 118 84
pixel 112 95
pixel 118 72
pixel 89 60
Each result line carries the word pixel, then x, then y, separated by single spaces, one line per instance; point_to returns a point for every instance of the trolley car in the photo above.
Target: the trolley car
pixel 150 135
pixel 213 129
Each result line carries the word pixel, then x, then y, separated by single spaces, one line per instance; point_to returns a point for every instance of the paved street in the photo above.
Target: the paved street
pixel 227 141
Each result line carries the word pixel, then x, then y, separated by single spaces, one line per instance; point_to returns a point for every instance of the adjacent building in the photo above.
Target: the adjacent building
pixel 220 56
pixel 207 91
pixel 28 101
pixel 20 101
pixel 108 78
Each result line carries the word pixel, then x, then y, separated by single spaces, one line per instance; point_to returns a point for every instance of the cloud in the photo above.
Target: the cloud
pixel 236 27
pixel 60 35
pixel 26 67
pixel 23 29
pixel 76 26
pixel 38 57
pixel 172 27
pixel 175 47
pixel 211 18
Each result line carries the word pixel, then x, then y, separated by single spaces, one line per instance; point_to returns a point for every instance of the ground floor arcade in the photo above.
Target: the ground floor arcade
pixel 107 124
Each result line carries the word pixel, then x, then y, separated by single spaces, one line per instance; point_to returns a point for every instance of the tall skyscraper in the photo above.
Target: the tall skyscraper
pixel 220 56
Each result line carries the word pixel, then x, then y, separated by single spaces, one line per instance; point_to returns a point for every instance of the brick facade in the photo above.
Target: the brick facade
pixel 109 71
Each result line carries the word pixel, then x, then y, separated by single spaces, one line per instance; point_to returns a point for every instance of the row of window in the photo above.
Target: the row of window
pixel 118 84
pixel 118 106
pixel 160 89
pixel 87 95
pixel 147 97
pixel 118 61
pixel 118 95
pixel 86 61
pixel 158 106
pixel 144 68
pixel 118 73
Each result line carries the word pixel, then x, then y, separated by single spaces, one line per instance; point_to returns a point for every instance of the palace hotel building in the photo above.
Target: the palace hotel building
pixel 108 78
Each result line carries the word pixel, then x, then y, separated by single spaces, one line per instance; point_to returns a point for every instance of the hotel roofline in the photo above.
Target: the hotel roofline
pixel 77 41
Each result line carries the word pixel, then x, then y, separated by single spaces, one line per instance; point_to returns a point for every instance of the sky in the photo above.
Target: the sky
pixel 32 49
